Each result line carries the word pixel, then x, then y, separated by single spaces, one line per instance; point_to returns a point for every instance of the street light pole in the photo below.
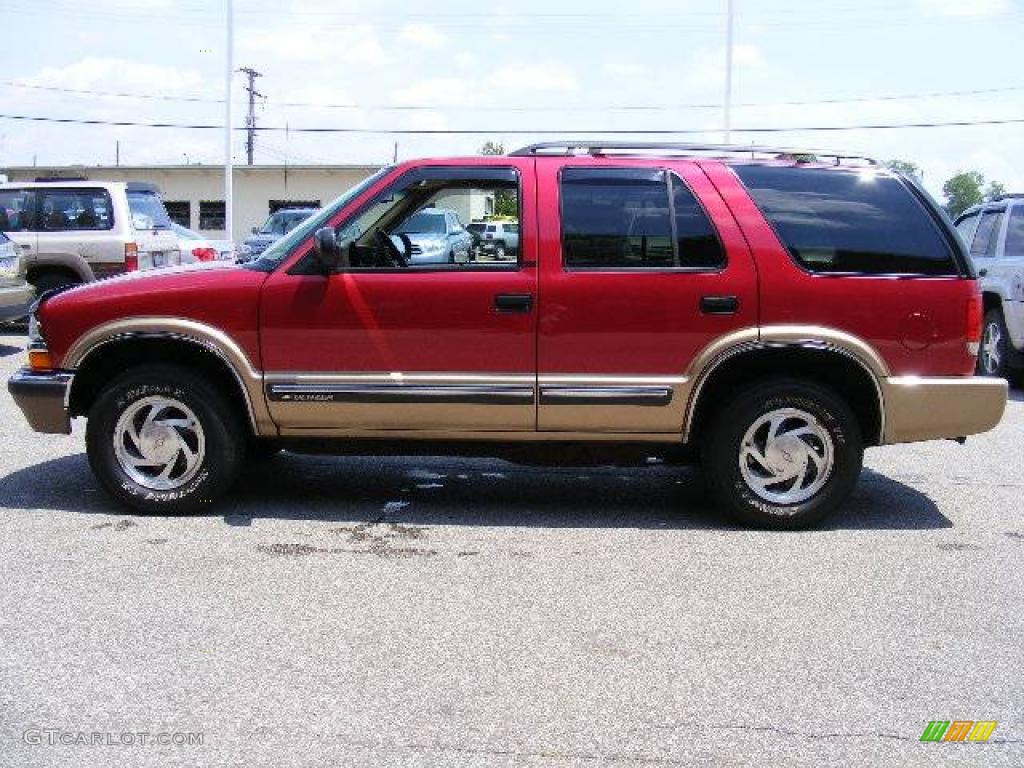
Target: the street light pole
pixel 727 104
pixel 228 119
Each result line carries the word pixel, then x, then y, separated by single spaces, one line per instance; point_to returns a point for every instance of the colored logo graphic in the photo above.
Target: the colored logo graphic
pixel 958 730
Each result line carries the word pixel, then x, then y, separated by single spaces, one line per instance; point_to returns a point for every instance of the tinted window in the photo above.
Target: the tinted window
pixel 1015 232
pixel 75 209
pixel 616 218
pixel 849 221
pixel 623 218
pixel 698 244
pixel 987 236
pixel 16 210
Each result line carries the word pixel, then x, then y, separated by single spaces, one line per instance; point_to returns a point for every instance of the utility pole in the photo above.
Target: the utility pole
pixel 727 103
pixel 229 56
pixel 250 120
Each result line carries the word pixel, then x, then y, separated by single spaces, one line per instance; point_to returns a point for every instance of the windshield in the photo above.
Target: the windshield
pixel 424 222
pixel 148 210
pixel 185 234
pixel 271 257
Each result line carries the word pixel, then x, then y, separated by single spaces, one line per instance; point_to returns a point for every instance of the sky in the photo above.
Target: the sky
pixel 555 70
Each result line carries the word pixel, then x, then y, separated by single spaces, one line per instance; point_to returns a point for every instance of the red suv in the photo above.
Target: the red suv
pixel 768 315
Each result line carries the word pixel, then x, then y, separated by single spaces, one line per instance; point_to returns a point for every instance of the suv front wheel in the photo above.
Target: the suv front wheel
pixel 783 454
pixel 164 440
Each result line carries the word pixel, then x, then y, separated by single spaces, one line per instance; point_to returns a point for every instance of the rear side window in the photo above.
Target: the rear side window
pixel 1015 232
pixel 75 209
pixel 851 222
pixel 16 210
pixel 634 218
pixel 987 236
pixel 966 226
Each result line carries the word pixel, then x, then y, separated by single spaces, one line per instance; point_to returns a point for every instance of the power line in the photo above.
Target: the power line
pixel 488 108
pixel 513 132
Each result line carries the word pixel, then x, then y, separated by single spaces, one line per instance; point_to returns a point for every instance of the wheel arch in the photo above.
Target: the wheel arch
pixel 834 366
pixel 100 355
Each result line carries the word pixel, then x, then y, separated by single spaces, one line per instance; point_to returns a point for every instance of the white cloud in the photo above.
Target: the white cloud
pixel 625 69
pixel 96 72
pixel 423 35
pixel 706 71
pixel 353 46
pixel 543 76
pixel 438 90
pixel 964 7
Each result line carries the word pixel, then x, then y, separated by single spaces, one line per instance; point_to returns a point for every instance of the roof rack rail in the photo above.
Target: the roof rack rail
pixel 1008 196
pixel 604 147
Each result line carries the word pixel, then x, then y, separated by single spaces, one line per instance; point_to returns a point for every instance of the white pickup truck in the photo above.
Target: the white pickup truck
pixel 994 233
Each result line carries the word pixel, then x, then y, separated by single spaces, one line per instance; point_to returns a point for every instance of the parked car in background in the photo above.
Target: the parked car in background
pixel 196 248
pixel 16 295
pixel 994 233
pixel 497 239
pixel 277 225
pixel 434 236
pixel 79 231
pixel 662 305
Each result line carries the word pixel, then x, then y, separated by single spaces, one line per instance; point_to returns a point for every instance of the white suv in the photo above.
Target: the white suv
pixel 994 233
pixel 79 231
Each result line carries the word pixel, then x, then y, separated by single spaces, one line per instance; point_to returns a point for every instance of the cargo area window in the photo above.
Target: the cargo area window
pixel 987 236
pixel 634 218
pixel 62 210
pixel 849 221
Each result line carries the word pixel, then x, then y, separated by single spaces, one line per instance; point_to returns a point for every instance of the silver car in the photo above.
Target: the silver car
pixel 435 236
pixel 16 295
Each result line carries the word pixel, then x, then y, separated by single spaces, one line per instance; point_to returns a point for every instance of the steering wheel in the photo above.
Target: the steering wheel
pixel 393 254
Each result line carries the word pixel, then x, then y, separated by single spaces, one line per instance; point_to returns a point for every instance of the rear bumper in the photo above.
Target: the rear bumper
pixel 43 398
pixel 924 408
pixel 16 301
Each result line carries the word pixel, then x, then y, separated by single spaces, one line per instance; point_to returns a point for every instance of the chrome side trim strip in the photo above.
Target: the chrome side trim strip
pixel 598 395
pixel 401 393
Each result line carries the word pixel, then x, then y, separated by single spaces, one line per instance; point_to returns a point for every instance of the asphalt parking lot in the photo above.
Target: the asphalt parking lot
pixel 428 612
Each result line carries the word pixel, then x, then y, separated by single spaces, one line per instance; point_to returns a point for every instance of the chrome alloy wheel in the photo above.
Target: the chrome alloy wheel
pixel 991 356
pixel 159 443
pixel 786 456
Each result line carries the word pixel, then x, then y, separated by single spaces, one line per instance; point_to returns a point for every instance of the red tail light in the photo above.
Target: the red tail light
pixel 205 254
pixel 974 321
pixel 131 257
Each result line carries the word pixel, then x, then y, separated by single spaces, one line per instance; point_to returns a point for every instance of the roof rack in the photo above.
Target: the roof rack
pixel 650 148
pixel 1008 196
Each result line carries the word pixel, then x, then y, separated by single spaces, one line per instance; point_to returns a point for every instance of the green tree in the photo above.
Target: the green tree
pixel 906 167
pixel 505 203
pixel 962 191
pixel 994 190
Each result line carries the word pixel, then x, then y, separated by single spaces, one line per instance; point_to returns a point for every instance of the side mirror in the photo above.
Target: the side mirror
pixel 255 230
pixel 328 252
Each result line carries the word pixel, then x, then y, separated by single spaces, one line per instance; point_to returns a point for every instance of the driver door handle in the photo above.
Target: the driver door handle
pixel 513 302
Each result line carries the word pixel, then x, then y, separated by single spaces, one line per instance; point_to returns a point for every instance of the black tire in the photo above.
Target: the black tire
pixel 260 450
pixel 48 280
pixel 724 441
pixel 222 429
pixel 994 354
pixel 499 251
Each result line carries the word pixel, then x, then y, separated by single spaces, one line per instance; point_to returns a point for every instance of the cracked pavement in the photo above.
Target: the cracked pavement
pixel 428 611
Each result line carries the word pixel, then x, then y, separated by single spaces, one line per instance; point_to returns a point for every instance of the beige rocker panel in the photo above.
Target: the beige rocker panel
pixel 214 339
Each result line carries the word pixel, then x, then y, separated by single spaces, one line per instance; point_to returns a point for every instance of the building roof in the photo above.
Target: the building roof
pixel 45 169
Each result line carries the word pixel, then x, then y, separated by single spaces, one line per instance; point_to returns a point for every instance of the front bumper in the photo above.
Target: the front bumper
pixel 43 398
pixel 926 408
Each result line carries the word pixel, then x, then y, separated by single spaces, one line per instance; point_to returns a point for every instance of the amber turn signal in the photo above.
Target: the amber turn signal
pixel 39 360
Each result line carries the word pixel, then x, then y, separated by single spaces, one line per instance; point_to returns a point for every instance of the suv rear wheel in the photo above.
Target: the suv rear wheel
pixel 163 440
pixel 783 454
pixel 994 354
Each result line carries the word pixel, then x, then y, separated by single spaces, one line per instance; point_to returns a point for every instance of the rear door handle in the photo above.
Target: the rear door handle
pixel 719 305
pixel 513 302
